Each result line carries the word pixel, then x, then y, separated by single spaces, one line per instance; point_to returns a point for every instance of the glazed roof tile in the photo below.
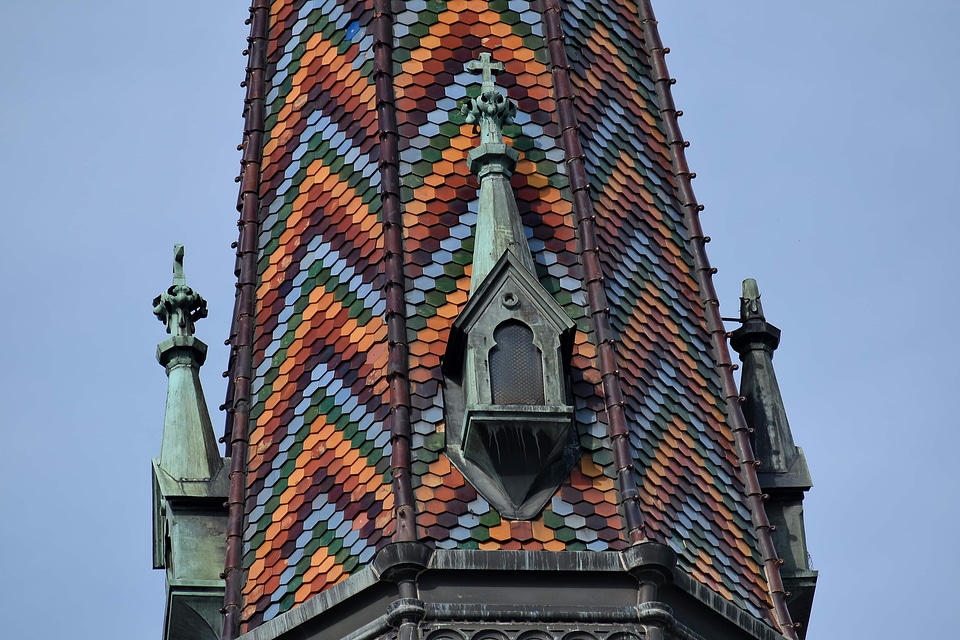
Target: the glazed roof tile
pixel 319 498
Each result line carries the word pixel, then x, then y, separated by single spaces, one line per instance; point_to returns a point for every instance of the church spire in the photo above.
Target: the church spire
pixel 189 448
pixel 406 376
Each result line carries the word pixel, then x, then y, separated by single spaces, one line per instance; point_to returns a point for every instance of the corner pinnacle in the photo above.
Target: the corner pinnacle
pixel 189 449
pixel 750 307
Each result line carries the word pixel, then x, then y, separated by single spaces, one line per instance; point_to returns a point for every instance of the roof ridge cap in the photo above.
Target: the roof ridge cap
pixel 704 274
pixel 599 310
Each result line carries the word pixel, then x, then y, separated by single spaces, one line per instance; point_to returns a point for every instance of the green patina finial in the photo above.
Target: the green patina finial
pixel 189 450
pixel 499 228
pixel 179 307
pixel 750 307
pixel 491 109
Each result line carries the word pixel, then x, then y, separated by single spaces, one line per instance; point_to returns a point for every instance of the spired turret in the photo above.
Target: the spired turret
pixel 783 473
pixel 190 482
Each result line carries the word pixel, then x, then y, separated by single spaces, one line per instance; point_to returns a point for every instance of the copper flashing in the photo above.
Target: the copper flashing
pixel 708 296
pixel 629 497
pixel 398 353
pixel 242 338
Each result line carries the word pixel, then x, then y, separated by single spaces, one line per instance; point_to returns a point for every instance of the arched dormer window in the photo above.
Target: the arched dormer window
pixel 516 366
pixel 509 422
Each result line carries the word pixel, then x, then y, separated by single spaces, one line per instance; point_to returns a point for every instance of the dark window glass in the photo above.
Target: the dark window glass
pixel 516 367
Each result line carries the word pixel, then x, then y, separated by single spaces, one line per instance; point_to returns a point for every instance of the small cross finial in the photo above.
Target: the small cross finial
pixel 179 307
pixel 491 109
pixel 487 67
pixel 178 277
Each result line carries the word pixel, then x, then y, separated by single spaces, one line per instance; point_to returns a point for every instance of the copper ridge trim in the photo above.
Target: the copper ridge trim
pixel 629 495
pixel 249 207
pixel 398 367
pixel 718 334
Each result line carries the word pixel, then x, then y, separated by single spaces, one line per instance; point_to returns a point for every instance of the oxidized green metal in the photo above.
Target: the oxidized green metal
pixel 190 480
pixel 783 474
pixel 179 307
pixel 499 228
pixel 510 435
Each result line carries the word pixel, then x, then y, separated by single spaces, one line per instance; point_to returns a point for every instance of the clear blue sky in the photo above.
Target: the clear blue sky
pixel 825 136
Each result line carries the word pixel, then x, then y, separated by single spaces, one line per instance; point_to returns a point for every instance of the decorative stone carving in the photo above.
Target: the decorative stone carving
pixel 179 307
pixel 491 109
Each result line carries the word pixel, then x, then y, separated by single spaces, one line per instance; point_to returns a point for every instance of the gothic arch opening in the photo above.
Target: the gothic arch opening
pixel 516 366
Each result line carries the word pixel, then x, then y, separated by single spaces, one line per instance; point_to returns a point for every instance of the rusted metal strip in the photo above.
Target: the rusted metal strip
pixel 244 321
pixel 708 296
pixel 629 496
pixel 398 366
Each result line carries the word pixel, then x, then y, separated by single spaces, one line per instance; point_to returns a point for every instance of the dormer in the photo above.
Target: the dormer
pixel 508 413
pixel 509 419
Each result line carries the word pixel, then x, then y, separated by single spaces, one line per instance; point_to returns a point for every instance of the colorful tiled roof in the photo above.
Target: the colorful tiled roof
pixel 685 461
pixel 319 489
pixel 439 213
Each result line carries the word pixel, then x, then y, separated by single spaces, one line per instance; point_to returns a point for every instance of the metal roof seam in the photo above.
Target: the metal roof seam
pixel 716 329
pixel 399 367
pixel 242 338
pixel 599 311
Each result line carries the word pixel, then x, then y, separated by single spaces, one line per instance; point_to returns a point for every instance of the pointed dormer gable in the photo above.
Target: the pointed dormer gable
pixel 507 407
pixel 509 425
